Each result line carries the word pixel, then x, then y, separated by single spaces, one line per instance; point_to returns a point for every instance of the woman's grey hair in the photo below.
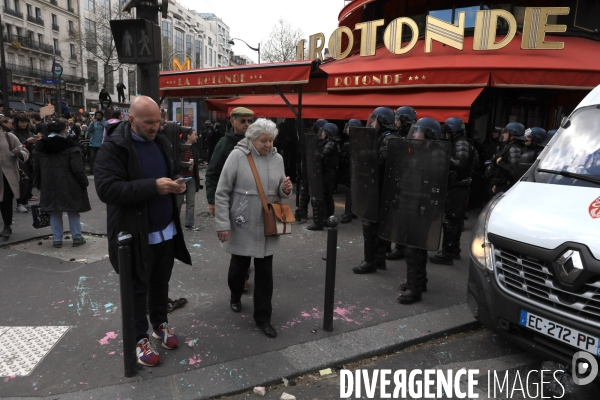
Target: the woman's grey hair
pixel 261 126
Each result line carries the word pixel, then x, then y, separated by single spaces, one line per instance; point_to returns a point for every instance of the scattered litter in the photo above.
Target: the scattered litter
pixel 39 243
pixel 286 396
pixel 260 390
pixel 83 260
pixel 106 256
pixel 285 382
pixel 314 331
pixel 327 371
pixel 71 305
pixel 196 245
pixel 191 343
pixel 292 383
pixel 72 259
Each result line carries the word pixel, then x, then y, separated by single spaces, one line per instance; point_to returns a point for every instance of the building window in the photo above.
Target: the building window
pixel 166 31
pixel 210 41
pixel 10 58
pixel 40 38
pixel 109 84
pixel 179 42
pixel 17 5
pixel 43 66
pixel 73 71
pixel 19 31
pixel 90 35
pixel 31 62
pixel 120 74
pixel 188 46
pixel 198 60
pixel 89 5
pixel 38 13
pixel 71 28
pixel 205 53
pixel 105 4
pixel 70 5
pixel 29 10
pixel 21 60
pixel 92 71
pixel 8 31
pixel 72 46
pixel 210 57
pixel 56 46
pixel 131 83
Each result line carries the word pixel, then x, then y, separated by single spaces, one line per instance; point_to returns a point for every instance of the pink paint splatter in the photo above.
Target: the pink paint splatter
pixel 105 339
pixel 112 352
pixel 195 360
pixel 9 378
pixel 343 314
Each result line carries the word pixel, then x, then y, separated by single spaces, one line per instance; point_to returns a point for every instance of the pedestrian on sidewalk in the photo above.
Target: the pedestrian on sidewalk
pixel 11 152
pixel 188 161
pixel 95 136
pixel 62 182
pixel 22 131
pixel 240 221
pixel 134 176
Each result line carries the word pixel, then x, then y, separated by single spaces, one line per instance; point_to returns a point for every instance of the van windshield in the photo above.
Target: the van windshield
pixel 576 149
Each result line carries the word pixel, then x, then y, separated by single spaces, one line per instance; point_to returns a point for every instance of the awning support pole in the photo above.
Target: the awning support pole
pixel 300 153
pixel 290 106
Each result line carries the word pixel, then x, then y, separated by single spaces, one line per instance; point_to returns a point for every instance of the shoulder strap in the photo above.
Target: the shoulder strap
pixel 258 183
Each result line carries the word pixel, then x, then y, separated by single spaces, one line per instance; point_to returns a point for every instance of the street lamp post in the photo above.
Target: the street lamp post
pixel 257 49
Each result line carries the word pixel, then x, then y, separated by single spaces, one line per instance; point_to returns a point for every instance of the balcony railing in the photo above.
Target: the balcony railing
pixel 35 20
pixel 57 52
pixel 55 27
pixel 29 43
pixel 71 33
pixel 54 2
pixel 71 9
pixel 74 57
pixel 14 13
pixel 22 70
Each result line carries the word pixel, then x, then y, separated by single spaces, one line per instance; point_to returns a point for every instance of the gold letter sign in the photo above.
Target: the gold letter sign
pixel 393 35
pixel 486 23
pixel 445 32
pixel 368 37
pixel 316 50
pixel 335 42
pixel 535 27
pixel 177 66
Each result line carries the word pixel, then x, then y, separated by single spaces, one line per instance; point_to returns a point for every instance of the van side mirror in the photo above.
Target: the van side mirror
pixel 565 123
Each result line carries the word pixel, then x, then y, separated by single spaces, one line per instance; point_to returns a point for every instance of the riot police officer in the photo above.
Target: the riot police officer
pixel 535 139
pixel 382 120
pixel 405 117
pixel 461 166
pixel 506 166
pixel 345 169
pixel 416 259
pixel 550 135
pixel 304 191
pixel 330 155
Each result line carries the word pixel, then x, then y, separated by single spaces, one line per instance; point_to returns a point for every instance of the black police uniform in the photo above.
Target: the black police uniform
pixel 506 172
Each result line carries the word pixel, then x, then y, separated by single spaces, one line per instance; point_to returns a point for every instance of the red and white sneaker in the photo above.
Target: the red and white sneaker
pixel 146 353
pixel 168 339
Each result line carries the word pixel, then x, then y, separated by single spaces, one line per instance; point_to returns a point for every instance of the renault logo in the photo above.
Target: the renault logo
pixel 570 266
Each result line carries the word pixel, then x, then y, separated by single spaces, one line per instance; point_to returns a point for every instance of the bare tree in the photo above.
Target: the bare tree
pixel 282 42
pixel 96 42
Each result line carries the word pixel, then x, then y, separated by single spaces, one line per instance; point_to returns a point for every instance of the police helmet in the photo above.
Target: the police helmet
pixel 454 125
pixel 515 129
pixel 550 134
pixel 385 117
pixel 426 128
pixel 331 130
pixel 406 114
pixel 538 135
pixel 352 122
pixel 318 125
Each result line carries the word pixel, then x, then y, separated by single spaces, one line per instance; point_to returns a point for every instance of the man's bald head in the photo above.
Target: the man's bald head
pixel 144 117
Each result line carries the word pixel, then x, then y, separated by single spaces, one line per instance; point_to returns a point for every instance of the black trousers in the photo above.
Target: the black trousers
pixel 328 182
pixel 7 201
pixel 93 153
pixel 152 291
pixel 454 219
pixel 263 284
pixel 121 96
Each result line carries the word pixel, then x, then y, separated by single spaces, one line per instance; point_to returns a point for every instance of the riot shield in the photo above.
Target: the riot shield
pixel 313 164
pixel 414 192
pixel 364 165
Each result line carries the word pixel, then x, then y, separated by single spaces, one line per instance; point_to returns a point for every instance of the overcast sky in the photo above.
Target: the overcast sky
pixel 252 20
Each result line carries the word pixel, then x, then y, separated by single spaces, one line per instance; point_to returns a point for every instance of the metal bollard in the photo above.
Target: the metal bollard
pixel 332 232
pixel 127 310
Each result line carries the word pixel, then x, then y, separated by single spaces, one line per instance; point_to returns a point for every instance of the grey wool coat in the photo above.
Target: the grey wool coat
pixel 9 166
pixel 238 208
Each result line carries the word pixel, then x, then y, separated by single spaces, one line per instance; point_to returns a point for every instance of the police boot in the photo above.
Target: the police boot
pixel 414 264
pixel 369 264
pixel 443 258
pixel 303 206
pixel 381 246
pixel 317 224
pixel 422 279
pixel 396 254
pixel 347 216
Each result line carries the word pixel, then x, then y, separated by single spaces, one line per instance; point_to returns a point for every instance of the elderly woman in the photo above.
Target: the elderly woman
pixel 11 151
pixel 62 182
pixel 240 221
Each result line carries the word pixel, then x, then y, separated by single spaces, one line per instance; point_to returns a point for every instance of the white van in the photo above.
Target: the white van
pixel 534 274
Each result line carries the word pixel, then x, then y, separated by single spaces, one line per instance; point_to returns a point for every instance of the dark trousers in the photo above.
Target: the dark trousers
pixel 7 202
pixel 93 154
pixel 152 291
pixel 263 284
pixel 328 183
pixel 121 95
pixel 454 219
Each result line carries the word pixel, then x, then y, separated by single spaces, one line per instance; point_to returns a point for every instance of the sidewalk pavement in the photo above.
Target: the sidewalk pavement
pixel 40 288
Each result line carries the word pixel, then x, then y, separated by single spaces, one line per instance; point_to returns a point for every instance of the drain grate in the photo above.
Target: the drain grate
pixel 22 348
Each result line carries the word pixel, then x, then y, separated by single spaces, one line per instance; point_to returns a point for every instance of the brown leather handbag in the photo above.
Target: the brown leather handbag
pixel 278 217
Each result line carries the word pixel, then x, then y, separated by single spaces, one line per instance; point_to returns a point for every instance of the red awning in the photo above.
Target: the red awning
pixel 439 104
pixel 245 79
pixel 217 104
pixel 577 66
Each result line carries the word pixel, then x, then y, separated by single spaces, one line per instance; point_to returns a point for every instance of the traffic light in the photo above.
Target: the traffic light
pixel 137 41
pixel 174 132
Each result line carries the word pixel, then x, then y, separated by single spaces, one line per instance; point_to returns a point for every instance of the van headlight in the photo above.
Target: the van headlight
pixel 481 249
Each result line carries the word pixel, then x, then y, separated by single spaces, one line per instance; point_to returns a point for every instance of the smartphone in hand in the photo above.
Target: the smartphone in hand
pixel 185 180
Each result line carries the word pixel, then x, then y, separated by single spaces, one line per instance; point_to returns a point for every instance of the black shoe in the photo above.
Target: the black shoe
pixel 6 232
pixel 267 329
pixel 409 297
pixel 314 227
pixel 78 242
pixel 236 305
pixel 404 287
pixel 364 268
pixel 346 218
pixel 57 244
pixel 395 254
pixel 440 258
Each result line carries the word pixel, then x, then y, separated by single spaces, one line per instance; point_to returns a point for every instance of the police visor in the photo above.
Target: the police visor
pixel 420 132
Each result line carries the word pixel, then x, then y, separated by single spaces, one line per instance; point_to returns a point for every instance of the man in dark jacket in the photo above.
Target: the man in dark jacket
pixel 241 119
pixel 133 176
